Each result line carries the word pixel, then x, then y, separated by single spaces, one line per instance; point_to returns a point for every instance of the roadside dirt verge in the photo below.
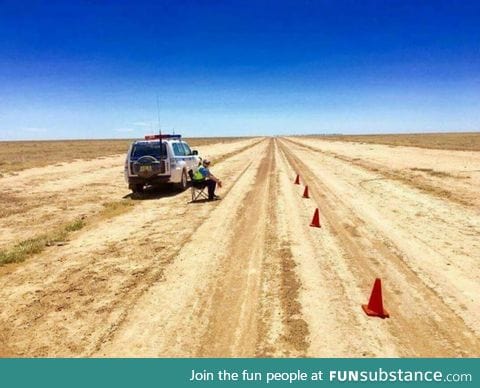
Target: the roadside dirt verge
pixel 429 292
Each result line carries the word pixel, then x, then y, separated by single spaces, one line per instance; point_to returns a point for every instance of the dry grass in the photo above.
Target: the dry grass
pixel 20 155
pixel 461 141
pixel 12 204
pixel 114 208
pixel 32 246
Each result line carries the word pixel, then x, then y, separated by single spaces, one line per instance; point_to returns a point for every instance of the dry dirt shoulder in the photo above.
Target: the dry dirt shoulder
pixel 70 299
pixel 447 174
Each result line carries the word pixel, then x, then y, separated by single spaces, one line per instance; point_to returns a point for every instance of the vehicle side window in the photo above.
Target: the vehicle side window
pixel 178 150
pixel 188 151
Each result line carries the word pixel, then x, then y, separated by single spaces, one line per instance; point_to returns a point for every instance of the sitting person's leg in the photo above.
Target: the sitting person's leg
pixel 211 188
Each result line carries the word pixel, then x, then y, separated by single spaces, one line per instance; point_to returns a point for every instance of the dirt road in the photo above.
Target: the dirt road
pixel 246 276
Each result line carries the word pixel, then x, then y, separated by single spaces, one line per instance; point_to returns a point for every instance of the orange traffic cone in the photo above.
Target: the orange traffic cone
pixel 375 304
pixel 305 192
pixel 297 180
pixel 316 220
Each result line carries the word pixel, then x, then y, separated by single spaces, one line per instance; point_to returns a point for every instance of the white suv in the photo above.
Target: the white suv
pixel 159 159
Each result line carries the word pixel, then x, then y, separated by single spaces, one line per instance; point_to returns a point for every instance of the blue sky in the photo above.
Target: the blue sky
pixel 92 69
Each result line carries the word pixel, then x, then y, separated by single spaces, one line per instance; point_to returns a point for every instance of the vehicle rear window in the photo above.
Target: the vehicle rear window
pixel 149 149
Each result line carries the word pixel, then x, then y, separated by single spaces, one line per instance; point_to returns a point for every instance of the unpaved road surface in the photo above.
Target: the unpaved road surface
pixel 247 276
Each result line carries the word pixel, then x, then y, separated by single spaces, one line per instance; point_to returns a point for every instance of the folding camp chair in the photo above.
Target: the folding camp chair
pixel 197 189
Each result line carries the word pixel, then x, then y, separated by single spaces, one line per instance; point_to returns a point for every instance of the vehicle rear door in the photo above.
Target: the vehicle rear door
pixel 179 153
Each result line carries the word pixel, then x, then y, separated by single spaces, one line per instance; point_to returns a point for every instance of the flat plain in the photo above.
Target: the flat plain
pixel 90 270
pixel 20 155
pixel 466 141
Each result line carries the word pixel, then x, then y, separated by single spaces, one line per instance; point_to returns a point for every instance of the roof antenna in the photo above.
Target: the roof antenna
pixel 159 127
pixel 158 116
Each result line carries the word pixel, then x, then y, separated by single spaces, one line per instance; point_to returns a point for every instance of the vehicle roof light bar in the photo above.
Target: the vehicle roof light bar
pixel 157 137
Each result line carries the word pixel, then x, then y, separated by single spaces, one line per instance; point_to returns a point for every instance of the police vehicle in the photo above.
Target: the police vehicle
pixel 159 159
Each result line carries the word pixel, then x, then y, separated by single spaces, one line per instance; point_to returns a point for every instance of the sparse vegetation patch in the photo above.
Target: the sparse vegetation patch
pixel 32 246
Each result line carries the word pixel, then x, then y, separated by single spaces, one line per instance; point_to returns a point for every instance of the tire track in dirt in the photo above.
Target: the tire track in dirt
pixel 256 271
pixel 71 298
pixel 422 324
pixel 282 331
pixel 235 299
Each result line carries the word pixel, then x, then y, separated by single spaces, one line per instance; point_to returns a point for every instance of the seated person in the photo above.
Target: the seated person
pixel 203 177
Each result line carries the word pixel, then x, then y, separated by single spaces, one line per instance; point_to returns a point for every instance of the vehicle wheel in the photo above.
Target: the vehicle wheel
pixel 183 183
pixel 137 188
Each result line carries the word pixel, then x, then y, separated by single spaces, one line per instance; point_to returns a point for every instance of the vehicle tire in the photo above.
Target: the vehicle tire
pixel 137 188
pixel 182 186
